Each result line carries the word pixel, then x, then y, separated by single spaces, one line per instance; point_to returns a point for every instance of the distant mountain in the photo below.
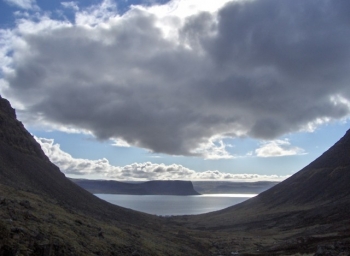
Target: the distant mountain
pixel 232 187
pixel 156 187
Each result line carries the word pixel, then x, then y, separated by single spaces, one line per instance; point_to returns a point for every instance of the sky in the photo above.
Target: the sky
pixel 240 90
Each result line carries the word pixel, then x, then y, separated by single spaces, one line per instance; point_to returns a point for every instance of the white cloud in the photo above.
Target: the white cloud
pixel 214 149
pixel 138 171
pixel 71 165
pixel 70 5
pixel 97 14
pixel 6 39
pixel 277 148
pixel 24 4
pixel 120 143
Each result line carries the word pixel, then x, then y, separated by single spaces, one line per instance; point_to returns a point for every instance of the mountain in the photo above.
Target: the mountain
pixel 307 212
pixel 44 213
pixel 155 187
pixel 232 187
pixel 23 165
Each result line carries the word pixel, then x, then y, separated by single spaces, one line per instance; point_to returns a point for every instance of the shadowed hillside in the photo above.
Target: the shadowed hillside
pixel 310 209
pixel 323 182
pixel 23 165
pixel 44 213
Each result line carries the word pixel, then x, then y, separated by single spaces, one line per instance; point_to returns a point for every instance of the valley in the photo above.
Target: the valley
pixel 44 213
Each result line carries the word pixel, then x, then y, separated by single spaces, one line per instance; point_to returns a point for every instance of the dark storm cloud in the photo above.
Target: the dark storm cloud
pixel 257 68
pixel 287 58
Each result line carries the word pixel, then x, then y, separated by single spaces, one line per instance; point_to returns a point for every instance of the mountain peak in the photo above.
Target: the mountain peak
pixel 324 180
pixel 24 166
pixel 5 108
pixel 336 156
pixel 13 134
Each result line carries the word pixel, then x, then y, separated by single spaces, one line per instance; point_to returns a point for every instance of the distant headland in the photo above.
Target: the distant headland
pixel 155 187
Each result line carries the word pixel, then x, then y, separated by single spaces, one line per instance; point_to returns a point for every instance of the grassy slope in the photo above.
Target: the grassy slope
pixel 31 224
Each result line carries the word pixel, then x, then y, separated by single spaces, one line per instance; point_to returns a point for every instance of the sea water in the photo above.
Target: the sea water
pixel 175 205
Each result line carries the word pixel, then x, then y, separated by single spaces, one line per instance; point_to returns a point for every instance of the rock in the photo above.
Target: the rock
pixel 25 204
pixel 320 250
pixel 78 222
pixel 18 230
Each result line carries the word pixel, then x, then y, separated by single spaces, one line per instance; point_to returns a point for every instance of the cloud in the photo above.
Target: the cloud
pixel 173 81
pixel 96 14
pixel 70 5
pixel 71 165
pixel 215 148
pixel 120 143
pixel 278 148
pixel 137 171
pixel 24 4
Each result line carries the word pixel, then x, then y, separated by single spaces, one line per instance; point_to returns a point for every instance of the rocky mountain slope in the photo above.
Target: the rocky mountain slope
pixel 44 213
pixel 154 187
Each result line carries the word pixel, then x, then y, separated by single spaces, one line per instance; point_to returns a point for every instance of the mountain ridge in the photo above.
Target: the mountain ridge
pixel 308 211
pixel 31 170
pixel 155 187
pixel 324 181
